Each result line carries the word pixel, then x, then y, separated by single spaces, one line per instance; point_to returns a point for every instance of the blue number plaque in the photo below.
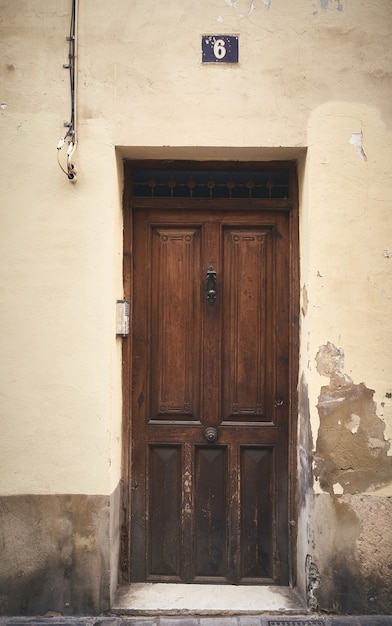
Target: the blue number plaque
pixel 219 49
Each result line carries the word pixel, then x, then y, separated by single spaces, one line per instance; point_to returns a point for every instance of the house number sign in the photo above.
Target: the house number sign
pixel 219 49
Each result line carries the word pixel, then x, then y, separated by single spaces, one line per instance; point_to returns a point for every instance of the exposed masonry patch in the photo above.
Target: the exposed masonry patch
pixel 351 450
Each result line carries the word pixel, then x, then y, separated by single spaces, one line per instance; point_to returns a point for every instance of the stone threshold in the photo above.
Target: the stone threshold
pixel 177 599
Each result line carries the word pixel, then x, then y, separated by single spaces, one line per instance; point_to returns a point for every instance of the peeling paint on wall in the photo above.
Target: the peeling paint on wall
pixel 312 583
pixel 351 450
pixel 324 4
pixel 356 140
pixel 305 443
pixel 251 8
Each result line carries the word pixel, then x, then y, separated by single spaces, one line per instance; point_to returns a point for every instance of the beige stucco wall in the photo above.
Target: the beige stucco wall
pixel 349 270
pixel 311 74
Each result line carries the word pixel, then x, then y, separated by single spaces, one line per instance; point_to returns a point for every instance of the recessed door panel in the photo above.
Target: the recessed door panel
pixel 257 512
pixel 247 324
pixel 175 323
pixel 211 519
pixel 164 512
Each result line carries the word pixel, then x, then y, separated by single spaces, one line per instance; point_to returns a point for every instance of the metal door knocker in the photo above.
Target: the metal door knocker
pixel 211 434
pixel 211 285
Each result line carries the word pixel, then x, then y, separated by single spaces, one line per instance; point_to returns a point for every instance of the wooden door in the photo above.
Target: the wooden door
pixel 210 396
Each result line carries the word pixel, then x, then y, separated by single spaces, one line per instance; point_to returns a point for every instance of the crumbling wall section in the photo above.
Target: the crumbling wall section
pixel 350 537
pixel 351 450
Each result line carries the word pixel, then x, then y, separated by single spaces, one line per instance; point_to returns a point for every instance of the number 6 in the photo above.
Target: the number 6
pixel 219 49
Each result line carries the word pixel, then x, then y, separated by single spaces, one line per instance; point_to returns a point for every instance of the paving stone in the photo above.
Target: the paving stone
pixel 139 621
pixel 376 620
pixel 249 620
pixel 296 621
pixel 224 620
pixel 219 621
pixel 178 621
pixel 47 621
pixel 349 620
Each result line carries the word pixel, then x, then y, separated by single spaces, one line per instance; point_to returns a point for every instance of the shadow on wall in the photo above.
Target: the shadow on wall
pixel 55 554
pixel 352 546
pixel 50 589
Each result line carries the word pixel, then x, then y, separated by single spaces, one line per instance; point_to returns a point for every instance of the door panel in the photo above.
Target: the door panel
pixel 164 511
pixel 175 324
pixel 210 511
pixel 257 512
pixel 246 341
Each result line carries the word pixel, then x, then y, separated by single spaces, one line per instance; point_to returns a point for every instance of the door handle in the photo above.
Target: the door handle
pixel 211 434
pixel 211 285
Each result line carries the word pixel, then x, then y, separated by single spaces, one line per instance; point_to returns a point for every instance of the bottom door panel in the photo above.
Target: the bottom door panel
pixel 210 515
pixel 257 513
pixel 219 509
pixel 164 512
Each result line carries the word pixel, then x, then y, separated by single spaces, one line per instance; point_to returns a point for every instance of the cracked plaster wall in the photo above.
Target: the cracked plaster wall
pixel 345 360
pixel 350 538
pixel 351 451
pixel 313 79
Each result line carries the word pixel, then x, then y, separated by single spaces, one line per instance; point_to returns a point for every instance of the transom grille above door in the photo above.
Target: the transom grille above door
pixel 202 182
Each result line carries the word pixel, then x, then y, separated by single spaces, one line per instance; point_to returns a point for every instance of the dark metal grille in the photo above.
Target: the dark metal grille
pixel 203 183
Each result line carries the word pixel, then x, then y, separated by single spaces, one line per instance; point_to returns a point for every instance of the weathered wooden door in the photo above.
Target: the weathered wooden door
pixel 210 387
